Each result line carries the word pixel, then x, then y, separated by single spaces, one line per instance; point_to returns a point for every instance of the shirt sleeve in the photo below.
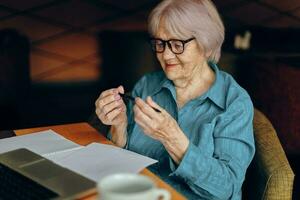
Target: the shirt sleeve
pixel 221 175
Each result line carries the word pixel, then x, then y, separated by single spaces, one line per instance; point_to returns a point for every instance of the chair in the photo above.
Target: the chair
pixel 269 176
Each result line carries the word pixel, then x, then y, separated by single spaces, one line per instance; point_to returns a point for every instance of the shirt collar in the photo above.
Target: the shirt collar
pixel 167 84
pixel 216 93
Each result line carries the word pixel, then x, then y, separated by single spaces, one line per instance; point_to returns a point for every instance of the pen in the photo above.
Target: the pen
pixel 129 97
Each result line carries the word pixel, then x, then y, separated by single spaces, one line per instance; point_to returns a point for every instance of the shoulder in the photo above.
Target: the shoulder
pixel 237 98
pixel 236 120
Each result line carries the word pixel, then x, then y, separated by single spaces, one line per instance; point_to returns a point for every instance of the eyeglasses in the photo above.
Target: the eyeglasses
pixel 176 46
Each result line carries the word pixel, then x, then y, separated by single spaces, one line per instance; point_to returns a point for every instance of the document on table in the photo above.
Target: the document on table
pixel 93 161
pixel 96 161
pixel 43 143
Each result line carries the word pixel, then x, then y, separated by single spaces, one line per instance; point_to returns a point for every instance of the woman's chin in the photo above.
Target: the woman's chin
pixel 171 75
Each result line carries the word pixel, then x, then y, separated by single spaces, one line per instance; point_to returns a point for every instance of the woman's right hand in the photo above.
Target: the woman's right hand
pixel 110 108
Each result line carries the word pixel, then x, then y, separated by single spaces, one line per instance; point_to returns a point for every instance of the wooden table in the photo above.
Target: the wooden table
pixel 84 134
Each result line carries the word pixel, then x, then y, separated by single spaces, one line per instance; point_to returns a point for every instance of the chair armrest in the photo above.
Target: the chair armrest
pixel 272 174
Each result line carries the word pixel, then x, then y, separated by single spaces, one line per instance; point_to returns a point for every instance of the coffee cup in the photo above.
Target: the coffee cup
pixel 125 186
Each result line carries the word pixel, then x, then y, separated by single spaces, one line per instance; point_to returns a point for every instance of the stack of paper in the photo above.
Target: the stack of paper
pixel 93 161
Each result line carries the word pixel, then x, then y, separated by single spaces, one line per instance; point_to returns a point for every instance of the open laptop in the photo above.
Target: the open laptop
pixel 27 175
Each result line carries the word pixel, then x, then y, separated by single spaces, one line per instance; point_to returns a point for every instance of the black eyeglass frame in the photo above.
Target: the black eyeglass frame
pixel 153 46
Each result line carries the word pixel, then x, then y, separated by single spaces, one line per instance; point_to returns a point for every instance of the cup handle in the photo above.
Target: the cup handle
pixel 162 193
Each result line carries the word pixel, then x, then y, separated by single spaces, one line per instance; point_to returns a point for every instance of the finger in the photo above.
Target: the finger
pixel 120 89
pixel 144 126
pixel 111 116
pixel 101 116
pixel 106 93
pixel 145 108
pixel 140 116
pixel 107 100
pixel 112 105
pixel 97 111
pixel 148 130
pixel 153 104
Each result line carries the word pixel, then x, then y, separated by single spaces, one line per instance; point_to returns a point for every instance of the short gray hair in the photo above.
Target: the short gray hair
pixel 186 18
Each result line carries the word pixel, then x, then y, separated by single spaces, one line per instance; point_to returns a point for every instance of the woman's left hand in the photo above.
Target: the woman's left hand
pixel 161 126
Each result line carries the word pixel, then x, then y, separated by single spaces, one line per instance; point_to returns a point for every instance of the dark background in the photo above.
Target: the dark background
pixel 56 56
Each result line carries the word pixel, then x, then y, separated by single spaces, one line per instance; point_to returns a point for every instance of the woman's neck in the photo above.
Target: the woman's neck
pixel 200 81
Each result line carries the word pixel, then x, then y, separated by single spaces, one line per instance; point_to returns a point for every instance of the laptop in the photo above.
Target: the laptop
pixel 27 175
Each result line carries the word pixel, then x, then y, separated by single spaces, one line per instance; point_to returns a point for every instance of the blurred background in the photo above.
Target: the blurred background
pixel 56 56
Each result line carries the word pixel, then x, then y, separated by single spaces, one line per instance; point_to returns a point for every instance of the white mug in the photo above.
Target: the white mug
pixel 130 187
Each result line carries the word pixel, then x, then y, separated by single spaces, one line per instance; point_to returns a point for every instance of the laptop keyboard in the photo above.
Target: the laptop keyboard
pixel 14 185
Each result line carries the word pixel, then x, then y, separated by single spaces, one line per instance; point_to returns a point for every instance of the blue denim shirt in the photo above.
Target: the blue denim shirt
pixel 219 126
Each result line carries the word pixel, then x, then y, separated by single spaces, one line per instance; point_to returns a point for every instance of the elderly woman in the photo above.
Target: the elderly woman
pixel 192 117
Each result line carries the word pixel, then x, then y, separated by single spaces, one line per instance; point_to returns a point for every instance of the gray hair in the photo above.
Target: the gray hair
pixel 186 18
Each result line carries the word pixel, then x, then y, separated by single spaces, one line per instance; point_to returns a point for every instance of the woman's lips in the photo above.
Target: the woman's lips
pixel 170 65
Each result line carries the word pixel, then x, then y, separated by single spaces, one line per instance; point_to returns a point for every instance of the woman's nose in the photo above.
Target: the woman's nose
pixel 167 54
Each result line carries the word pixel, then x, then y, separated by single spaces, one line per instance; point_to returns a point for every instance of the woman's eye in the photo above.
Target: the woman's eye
pixel 177 46
pixel 159 45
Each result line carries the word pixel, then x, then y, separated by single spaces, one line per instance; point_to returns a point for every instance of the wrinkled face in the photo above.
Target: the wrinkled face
pixel 180 66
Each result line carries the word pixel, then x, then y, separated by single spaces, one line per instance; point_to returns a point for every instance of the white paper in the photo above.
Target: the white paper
pixel 59 155
pixel 43 143
pixel 96 161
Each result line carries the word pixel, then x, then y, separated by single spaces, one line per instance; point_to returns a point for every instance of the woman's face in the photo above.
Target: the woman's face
pixel 183 66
